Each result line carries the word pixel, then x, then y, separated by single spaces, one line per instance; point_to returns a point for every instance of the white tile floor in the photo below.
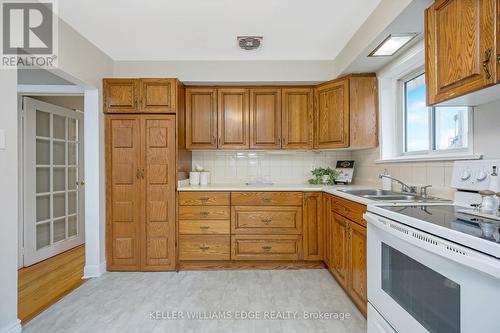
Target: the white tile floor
pixel 123 302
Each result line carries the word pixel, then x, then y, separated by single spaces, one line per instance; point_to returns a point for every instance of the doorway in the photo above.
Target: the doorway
pixel 53 180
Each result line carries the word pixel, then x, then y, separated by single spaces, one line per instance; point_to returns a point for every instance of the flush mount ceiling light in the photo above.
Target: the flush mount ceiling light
pixel 249 42
pixel 392 44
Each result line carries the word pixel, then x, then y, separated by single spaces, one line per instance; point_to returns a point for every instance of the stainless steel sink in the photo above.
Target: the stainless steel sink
pixel 390 196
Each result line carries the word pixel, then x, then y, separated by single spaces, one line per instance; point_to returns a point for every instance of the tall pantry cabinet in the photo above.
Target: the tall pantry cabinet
pixel 144 158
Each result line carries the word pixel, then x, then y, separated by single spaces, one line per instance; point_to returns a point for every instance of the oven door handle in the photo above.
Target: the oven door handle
pixel 436 245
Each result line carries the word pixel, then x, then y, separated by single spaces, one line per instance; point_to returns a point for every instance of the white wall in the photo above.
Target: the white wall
pixel 192 72
pixel 8 203
pixel 283 167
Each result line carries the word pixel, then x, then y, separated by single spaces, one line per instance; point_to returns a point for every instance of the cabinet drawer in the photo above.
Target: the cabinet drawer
pixel 266 220
pixel 266 198
pixel 204 247
pixel 204 198
pixel 266 247
pixel 349 209
pixel 196 227
pixel 204 213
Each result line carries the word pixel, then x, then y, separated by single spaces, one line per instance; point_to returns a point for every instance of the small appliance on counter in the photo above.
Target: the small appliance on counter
pixel 345 171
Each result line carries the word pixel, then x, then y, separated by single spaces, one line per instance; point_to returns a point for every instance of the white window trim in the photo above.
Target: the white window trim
pixel 391 79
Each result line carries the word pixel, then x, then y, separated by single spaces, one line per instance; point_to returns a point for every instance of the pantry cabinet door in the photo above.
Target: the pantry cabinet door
pixel 123 193
pixel 460 48
pixel 332 115
pixel 313 228
pixel 233 114
pixel 158 196
pixel 297 118
pixel 265 118
pixel 201 118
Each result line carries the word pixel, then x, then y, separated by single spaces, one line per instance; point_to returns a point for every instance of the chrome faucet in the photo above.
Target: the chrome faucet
pixel 404 187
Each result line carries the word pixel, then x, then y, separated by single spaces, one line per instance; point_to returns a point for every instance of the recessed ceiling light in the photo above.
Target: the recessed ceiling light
pixel 392 44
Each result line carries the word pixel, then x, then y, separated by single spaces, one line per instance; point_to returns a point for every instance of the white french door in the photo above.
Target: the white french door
pixel 53 180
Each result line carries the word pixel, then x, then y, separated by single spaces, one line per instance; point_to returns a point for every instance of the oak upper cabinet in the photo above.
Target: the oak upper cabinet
pixel 234 117
pixel 297 118
pixel 201 118
pixel 121 95
pixel 140 192
pixel 140 95
pixel 313 228
pixel 157 95
pixel 460 48
pixel 363 111
pixel 265 118
pixel 332 115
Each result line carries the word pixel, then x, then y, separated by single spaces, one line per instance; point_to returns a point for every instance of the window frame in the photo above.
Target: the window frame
pixel 431 151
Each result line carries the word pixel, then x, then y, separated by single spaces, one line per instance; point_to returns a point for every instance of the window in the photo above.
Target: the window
pixel 428 130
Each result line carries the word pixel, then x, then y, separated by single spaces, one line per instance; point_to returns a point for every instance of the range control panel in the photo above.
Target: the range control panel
pixel 473 175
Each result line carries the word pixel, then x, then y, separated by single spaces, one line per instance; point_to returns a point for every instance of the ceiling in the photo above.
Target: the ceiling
pixel 207 29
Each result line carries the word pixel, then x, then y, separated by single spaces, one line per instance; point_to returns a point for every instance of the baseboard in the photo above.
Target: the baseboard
pixel 248 264
pixel 14 327
pixel 92 271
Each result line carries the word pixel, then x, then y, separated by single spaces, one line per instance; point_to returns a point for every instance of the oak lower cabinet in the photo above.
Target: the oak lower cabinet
pixel 460 47
pixel 346 113
pixel 313 226
pixel 346 248
pixel 141 180
pixel 266 247
pixel 204 227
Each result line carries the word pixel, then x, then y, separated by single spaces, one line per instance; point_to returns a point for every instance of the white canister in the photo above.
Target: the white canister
pixel 204 178
pixel 194 178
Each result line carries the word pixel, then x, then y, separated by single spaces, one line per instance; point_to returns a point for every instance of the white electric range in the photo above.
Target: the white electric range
pixel 434 268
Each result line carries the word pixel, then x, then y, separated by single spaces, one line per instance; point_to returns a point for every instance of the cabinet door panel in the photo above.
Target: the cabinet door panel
pixel 357 265
pixel 332 115
pixel 313 226
pixel 121 95
pixel 339 249
pixel 201 118
pixel 158 154
pixel 233 126
pixel 460 51
pixel 297 118
pixel 265 118
pixel 158 95
pixel 123 189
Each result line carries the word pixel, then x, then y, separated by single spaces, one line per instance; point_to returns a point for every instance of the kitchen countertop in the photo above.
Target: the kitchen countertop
pixel 334 190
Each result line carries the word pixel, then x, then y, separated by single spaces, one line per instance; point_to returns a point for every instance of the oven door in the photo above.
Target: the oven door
pixel 422 283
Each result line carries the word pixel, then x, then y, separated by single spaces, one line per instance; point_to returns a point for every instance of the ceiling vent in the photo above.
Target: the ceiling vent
pixel 249 42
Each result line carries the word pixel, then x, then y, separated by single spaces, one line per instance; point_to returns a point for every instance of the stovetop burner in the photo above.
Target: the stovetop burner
pixel 448 216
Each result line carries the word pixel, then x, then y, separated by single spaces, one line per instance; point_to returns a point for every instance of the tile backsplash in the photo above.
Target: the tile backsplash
pixel 279 167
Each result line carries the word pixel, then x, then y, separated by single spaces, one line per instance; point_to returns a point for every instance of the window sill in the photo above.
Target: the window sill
pixel 431 158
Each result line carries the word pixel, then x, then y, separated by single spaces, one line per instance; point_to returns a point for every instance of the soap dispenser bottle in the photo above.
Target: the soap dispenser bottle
pixel 386 182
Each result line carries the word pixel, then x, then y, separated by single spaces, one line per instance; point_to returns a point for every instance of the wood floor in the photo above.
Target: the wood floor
pixel 44 283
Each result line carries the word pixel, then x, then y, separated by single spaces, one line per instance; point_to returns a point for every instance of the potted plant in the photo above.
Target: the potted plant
pixel 325 176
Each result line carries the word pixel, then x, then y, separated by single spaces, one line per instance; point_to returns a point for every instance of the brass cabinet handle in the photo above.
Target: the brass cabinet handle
pixel 204 247
pixel 204 213
pixel 204 227
pixel 138 174
pixel 204 199
pixel 267 248
pixel 347 209
pixel 487 57
pixel 266 200
pixel 142 173
pixel 266 221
